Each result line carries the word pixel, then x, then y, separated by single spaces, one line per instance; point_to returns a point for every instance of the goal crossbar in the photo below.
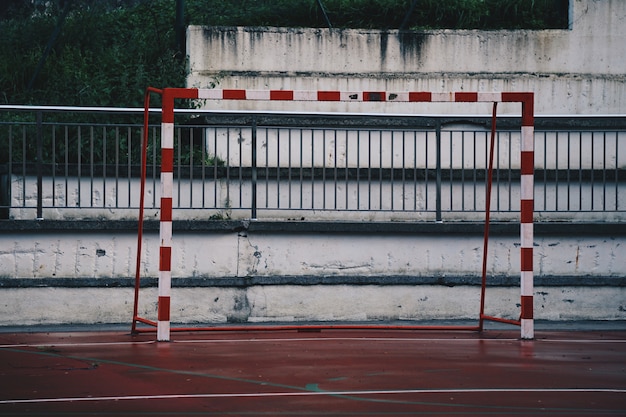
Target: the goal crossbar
pixel 169 95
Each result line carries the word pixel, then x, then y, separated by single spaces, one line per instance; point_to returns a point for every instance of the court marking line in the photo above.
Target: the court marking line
pixel 79 344
pixel 319 393
pixel 367 339
pixel 310 339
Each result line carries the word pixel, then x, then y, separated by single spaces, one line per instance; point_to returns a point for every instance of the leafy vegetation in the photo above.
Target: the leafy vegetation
pixel 108 51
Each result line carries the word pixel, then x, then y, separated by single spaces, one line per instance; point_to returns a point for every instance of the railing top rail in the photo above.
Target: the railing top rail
pixel 140 110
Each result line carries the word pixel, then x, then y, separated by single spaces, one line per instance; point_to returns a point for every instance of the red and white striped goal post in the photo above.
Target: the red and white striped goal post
pixel 169 95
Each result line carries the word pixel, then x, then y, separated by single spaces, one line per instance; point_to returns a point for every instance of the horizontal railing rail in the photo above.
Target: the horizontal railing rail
pixel 60 162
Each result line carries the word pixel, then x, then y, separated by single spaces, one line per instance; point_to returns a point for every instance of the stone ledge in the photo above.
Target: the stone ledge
pixel 308 280
pixel 235 226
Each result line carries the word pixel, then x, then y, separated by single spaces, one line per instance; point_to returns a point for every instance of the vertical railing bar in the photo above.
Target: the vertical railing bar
pixel 267 164
pixel 569 167
pixel 155 156
pixel 91 165
pixel 24 166
pixel 10 166
pixel 475 171
pixel 545 171
pixel 129 163
pixel 80 166
pixel 53 163
pixel 604 170
pixel 227 165
pixel 427 135
pixel 346 169
pixel 301 206
pixel 39 151
pixel 451 170
pixel 117 168
pixel 277 168
pixel 380 170
pixel 415 171
pixel 403 170
pixel 463 170
pixel 177 161
pixel 510 174
pixel 357 181
pixel 204 158
pixel 391 169
pixel 254 168
pixel 438 216
pixel 191 165
pixel 129 142
pixel 312 169
pixel 617 164
pixel 104 165
pixel 498 170
pixel 323 169
pixel 592 176
pixel 67 165
pixel 556 173
pixel 335 168
pixel 289 167
pixel 369 172
pixel 580 171
pixel 215 168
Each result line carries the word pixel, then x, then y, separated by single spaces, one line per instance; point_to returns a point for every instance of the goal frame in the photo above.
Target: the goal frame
pixel 169 95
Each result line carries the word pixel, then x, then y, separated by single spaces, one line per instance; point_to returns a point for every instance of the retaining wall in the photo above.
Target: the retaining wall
pixel 579 70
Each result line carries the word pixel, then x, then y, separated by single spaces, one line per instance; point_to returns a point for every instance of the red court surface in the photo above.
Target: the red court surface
pixel 327 373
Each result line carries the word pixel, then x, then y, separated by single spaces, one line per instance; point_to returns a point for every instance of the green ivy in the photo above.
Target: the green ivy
pixel 107 52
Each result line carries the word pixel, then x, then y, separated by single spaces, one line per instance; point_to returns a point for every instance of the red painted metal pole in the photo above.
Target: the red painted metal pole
pixel 483 285
pixel 144 153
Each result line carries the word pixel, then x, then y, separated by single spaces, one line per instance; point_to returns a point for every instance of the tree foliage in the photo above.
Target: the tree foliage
pixel 108 51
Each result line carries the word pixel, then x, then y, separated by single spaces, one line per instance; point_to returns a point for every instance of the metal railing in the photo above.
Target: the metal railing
pixel 68 163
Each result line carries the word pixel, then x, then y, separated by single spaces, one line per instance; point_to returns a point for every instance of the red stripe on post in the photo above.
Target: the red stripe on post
pixel 527 307
pixel 164 309
pixel 189 93
pixel 169 95
pixel 166 209
pixel 528 112
pixel 466 97
pixel 528 163
pixel 165 258
pixel 167 160
pixel 329 96
pixel 527 211
pixel 167 110
pixel 284 95
pixel 420 96
pixel 527 259
pixel 374 96
pixel 234 94
pixel 528 105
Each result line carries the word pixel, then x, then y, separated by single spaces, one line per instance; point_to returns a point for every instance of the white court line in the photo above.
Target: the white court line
pixel 338 339
pixel 319 393
pixel 393 339
pixel 52 344
pixel 314 339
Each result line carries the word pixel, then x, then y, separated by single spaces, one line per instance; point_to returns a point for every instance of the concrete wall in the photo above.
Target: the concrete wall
pixel 575 71
pixel 69 273
pixel 254 276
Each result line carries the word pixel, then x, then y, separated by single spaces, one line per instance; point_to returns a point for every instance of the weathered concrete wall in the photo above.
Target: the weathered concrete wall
pixel 83 277
pixel 386 270
pixel 575 71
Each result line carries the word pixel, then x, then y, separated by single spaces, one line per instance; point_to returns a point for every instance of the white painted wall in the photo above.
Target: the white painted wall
pixel 574 71
pixel 112 255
